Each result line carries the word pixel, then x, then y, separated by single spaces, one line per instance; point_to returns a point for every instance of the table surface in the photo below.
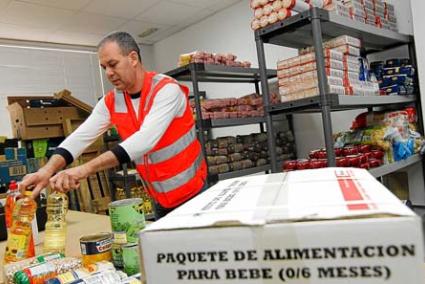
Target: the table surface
pixel 78 224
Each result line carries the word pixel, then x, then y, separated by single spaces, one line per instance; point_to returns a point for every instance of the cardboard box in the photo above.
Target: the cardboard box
pixel 37 123
pixel 334 225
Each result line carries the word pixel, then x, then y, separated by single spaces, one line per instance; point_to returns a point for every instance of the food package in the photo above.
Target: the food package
pixel 348 49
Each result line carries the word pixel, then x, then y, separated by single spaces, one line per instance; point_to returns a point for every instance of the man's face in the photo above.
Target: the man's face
pixel 119 68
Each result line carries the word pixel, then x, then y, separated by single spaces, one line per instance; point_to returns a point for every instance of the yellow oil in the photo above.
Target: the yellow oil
pixel 20 234
pixel 55 231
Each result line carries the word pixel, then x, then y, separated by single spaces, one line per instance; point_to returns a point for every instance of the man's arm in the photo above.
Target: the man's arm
pixel 97 123
pixel 168 103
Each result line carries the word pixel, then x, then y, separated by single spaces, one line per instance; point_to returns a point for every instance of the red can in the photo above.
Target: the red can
pixel 350 150
pixel 313 154
pixel 323 163
pixel 354 160
pixel 339 152
pixel 341 162
pixel 368 155
pixel 373 163
pixel 363 158
pixel 377 154
pixel 290 165
pixel 303 164
pixel 365 148
pixel 365 166
pixel 322 154
pixel 315 164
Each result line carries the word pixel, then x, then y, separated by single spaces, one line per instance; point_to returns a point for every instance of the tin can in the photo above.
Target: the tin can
pixel 127 219
pixel 117 259
pixel 130 256
pixel 96 247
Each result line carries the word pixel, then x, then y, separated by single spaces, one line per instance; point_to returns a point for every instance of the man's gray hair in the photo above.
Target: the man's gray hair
pixel 124 40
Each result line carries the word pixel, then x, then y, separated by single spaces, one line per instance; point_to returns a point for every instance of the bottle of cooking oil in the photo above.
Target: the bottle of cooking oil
pixel 55 232
pixel 12 195
pixel 20 234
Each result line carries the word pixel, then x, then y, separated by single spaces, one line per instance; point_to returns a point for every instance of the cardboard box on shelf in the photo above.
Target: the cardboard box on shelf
pixel 335 225
pixel 40 122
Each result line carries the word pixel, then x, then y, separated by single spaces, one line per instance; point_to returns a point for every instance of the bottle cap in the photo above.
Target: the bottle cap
pixel 13 185
pixel 20 277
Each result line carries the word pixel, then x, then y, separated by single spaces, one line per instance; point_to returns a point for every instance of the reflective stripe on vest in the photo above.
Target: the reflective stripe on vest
pixel 180 179
pixel 155 81
pixel 175 148
pixel 119 99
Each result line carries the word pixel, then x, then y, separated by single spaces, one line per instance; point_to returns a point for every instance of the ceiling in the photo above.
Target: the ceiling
pixel 85 22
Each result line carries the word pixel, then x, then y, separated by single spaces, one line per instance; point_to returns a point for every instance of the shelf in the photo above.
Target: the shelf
pixel 339 102
pixel 226 122
pixel 240 173
pixel 218 73
pixel 202 94
pixel 296 31
pixel 390 168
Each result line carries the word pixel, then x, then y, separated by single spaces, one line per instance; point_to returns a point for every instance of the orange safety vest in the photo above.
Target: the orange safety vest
pixel 175 169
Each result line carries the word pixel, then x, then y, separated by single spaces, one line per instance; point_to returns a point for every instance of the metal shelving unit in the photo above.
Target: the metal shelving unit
pixel 311 28
pixel 340 102
pixel 200 72
pixel 394 167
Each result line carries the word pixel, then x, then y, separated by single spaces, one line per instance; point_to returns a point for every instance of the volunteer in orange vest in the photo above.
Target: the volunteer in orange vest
pixel 153 117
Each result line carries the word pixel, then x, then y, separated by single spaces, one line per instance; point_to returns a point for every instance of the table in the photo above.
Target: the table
pixel 79 224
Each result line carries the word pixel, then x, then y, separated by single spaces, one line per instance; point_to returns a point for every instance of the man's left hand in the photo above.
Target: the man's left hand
pixel 69 179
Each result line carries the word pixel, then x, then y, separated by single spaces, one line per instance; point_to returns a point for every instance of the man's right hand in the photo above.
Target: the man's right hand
pixel 35 182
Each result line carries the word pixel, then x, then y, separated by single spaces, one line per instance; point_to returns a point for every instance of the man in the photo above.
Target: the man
pixel 154 119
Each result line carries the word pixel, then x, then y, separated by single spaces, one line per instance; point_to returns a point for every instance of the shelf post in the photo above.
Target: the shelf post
pixel 266 101
pixel 196 94
pixel 257 91
pixel 323 85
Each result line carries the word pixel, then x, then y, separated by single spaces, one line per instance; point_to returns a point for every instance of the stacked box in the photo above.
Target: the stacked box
pixel 343 65
pixel 247 106
pixel 227 59
pixel 372 12
pixel 268 12
pixel 395 76
pixel 226 154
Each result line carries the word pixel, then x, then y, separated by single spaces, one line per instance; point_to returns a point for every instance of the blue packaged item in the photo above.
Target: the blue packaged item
pixel 391 71
pixel 12 170
pixel 403 149
pixel 396 80
pixel 395 90
pixel 10 153
pixel 407 70
pixel 364 70
pixel 377 68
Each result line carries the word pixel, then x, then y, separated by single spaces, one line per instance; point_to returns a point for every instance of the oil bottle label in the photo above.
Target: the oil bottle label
pixel 17 245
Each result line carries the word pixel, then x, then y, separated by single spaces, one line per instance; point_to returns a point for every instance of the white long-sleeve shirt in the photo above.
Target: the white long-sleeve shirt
pixel 169 102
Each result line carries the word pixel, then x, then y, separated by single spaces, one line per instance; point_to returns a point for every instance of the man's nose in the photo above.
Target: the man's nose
pixel 109 72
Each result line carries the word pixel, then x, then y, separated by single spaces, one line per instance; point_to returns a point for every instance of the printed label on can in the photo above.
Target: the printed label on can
pixel 96 244
pixel 120 237
pixel 127 216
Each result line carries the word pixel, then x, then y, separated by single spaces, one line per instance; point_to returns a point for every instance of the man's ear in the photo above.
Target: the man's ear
pixel 134 58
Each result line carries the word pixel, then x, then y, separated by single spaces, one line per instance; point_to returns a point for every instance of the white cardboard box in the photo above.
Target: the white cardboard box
pixel 334 225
